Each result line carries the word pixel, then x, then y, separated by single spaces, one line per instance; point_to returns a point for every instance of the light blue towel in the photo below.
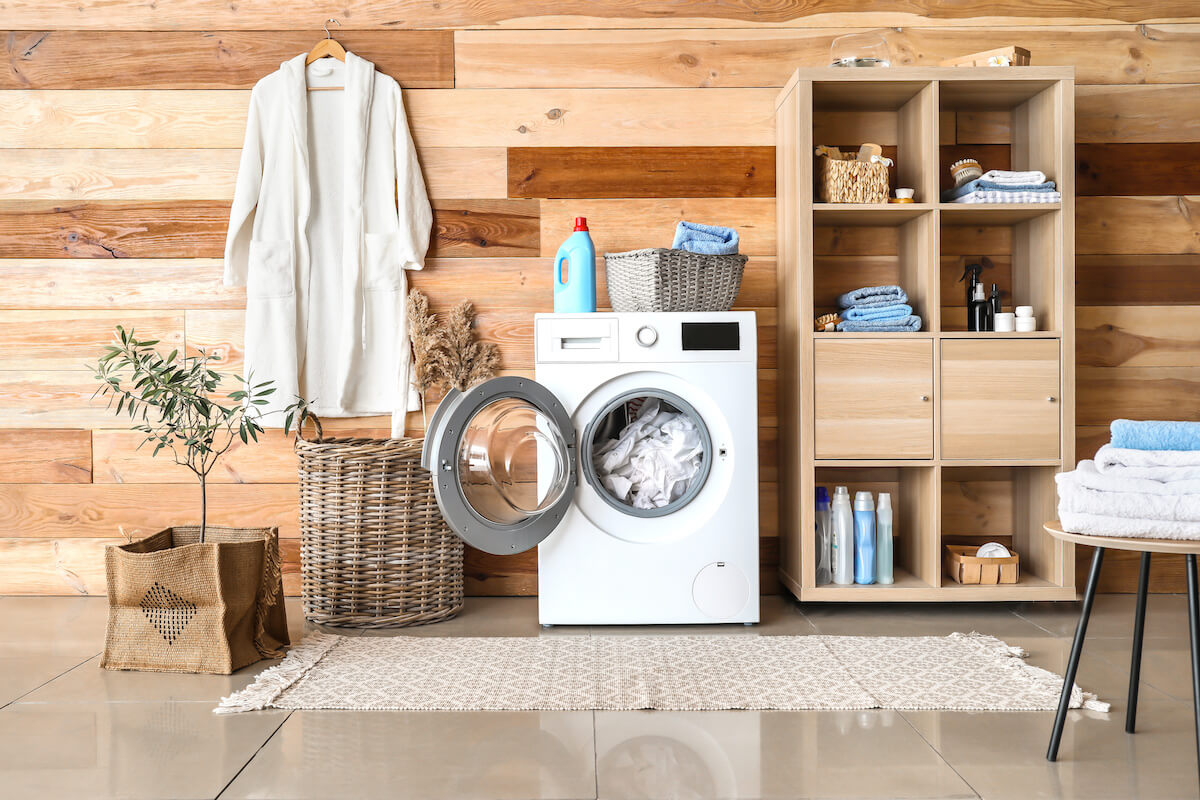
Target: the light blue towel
pixel 1155 435
pixel 979 184
pixel 709 240
pixel 870 313
pixel 869 296
pixel 910 324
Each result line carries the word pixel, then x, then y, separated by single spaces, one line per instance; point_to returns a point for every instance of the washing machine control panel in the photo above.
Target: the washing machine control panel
pixel 646 336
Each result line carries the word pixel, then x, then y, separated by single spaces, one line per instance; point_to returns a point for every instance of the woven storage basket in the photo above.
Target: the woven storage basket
pixel 853 181
pixel 659 279
pixel 374 549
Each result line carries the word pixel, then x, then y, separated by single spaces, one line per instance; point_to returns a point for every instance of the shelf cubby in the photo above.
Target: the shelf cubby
pixel 934 415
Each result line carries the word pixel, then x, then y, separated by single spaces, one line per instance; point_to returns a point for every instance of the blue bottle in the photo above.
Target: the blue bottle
pixel 864 538
pixel 575 272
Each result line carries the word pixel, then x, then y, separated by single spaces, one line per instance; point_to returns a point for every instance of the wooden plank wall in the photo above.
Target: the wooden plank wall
pixel 120 124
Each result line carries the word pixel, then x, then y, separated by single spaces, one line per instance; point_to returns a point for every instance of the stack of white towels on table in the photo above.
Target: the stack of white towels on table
pixel 1144 483
pixel 1005 186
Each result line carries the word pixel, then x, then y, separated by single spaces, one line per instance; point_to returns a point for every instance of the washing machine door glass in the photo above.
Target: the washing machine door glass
pixel 505 467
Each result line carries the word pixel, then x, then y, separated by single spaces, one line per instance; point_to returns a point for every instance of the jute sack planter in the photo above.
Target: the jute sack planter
pixel 176 605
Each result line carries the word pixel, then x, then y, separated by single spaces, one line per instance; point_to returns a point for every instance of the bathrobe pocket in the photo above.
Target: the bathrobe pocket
pixel 271 270
pixel 383 264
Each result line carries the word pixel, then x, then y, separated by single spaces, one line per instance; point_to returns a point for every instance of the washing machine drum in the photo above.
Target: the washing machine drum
pixel 503 461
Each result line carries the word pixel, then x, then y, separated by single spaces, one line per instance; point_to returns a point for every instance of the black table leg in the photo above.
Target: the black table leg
pixel 1194 625
pixel 1089 594
pixel 1139 629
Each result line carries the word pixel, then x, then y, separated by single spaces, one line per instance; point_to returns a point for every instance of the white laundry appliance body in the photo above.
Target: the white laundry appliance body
pixel 512 462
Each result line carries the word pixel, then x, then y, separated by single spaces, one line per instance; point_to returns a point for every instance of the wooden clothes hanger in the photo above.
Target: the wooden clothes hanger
pixel 326 48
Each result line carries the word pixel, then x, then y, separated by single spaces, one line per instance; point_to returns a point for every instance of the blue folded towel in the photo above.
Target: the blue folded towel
pixel 873 296
pixel 869 313
pixel 709 240
pixel 979 184
pixel 910 324
pixel 1155 435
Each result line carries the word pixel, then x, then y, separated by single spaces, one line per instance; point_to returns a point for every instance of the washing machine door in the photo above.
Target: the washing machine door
pixel 503 459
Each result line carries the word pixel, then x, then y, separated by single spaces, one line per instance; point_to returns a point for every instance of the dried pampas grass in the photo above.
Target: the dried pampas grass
pixel 471 362
pixel 447 356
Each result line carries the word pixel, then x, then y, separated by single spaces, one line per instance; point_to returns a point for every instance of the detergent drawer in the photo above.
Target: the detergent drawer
pixel 574 340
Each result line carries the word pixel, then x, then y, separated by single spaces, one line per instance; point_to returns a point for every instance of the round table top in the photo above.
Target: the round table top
pixel 1124 542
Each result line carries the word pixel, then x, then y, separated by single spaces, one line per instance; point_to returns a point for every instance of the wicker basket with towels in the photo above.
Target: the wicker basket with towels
pixel 661 279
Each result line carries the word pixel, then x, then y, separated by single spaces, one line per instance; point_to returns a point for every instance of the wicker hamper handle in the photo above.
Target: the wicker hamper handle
pixel 305 416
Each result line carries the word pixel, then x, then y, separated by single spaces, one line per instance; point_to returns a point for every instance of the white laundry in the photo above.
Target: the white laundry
pixel 654 460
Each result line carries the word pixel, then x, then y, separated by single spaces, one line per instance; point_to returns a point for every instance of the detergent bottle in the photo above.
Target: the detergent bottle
pixel 575 272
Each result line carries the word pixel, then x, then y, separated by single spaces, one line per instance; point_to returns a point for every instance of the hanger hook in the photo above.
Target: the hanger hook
pixel 329 35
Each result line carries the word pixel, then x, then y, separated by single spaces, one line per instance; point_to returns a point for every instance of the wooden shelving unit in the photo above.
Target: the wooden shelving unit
pixel 966 430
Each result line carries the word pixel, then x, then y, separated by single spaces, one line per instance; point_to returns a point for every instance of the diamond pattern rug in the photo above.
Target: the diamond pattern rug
pixel 969 672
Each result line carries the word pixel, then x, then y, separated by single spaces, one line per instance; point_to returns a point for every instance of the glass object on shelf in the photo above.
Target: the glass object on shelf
pixel 868 49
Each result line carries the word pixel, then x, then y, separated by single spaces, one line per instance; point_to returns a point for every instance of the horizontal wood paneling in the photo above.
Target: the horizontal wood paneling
pixel 263 15
pixel 115 283
pixel 66 340
pixel 1137 225
pixel 1137 280
pixel 437 117
pixel 1107 393
pixel 49 399
pixel 751 58
pixel 597 172
pixel 206 59
pixel 1137 169
pixel 620 225
pixel 197 229
pixel 1137 336
pixel 45 456
pixel 64 175
pixel 1162 113
pixel 107 511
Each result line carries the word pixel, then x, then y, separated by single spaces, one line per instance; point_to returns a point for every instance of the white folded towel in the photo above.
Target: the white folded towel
pixel 1015 178
pixel 1098 525
pixel 1087 474
pixel 1157 465
pixel 1072 496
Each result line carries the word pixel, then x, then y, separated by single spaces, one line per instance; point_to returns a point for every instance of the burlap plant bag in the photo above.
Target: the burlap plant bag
pixel 175 605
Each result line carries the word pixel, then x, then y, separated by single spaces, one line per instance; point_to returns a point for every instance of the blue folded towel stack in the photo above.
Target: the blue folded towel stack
pixel 1005 186
pixel 877 309
pixel 709 240
pixel 1155 435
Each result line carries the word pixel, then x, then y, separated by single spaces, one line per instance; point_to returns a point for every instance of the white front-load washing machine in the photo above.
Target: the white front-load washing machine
pixel 519 462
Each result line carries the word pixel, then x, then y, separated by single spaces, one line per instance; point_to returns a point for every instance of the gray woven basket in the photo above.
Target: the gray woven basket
pixel 659 279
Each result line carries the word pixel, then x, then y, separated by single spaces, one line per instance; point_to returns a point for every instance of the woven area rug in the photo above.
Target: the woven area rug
pixel 969 672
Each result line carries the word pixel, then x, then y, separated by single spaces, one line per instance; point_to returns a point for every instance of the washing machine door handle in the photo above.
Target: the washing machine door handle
pixel 503 458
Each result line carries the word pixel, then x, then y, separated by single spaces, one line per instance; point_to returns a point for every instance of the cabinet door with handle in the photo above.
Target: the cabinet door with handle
pixel 874 398
pixel 1001 399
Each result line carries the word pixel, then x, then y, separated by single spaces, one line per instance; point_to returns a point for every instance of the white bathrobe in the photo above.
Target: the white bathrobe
pixel 329 211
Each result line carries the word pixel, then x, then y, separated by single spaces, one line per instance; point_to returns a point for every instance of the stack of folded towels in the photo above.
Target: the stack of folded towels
pixel 1144 483
pixel 876 309
pixel 1005 186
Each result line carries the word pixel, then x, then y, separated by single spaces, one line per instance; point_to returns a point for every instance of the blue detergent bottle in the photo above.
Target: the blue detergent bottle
pixel 864 538
pixel 575 272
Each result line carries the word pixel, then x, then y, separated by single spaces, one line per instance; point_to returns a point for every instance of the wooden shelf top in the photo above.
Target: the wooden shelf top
pixel 993 213
pixel 876 215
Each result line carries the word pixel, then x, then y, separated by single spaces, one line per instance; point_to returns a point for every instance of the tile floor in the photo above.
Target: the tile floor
pixel 69 729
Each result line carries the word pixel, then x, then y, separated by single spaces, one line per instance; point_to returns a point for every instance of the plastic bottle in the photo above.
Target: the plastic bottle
pixel 864 538
pixel 575 272
pixel 824 537
pixel 883 539
pixel 843 537
pixel 979 312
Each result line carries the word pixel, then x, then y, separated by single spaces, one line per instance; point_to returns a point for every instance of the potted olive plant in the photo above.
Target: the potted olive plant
pixel 190 598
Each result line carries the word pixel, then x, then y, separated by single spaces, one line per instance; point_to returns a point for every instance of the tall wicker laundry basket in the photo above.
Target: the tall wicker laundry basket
pixel 374 549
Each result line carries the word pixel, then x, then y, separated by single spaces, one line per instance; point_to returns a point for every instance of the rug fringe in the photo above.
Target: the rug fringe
pixel 1014 659
pixel 273 682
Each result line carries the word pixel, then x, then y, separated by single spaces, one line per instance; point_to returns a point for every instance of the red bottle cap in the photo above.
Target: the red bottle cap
pixel 581 223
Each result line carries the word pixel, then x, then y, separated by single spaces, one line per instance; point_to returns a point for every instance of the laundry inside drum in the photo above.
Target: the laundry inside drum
pixel 512 462
pixel 649 454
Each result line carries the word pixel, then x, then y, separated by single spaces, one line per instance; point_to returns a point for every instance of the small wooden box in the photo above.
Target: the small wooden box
pixel 966 568
pixel 1011 56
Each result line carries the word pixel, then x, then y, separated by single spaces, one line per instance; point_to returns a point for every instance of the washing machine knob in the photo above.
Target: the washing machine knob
pixel 646 336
